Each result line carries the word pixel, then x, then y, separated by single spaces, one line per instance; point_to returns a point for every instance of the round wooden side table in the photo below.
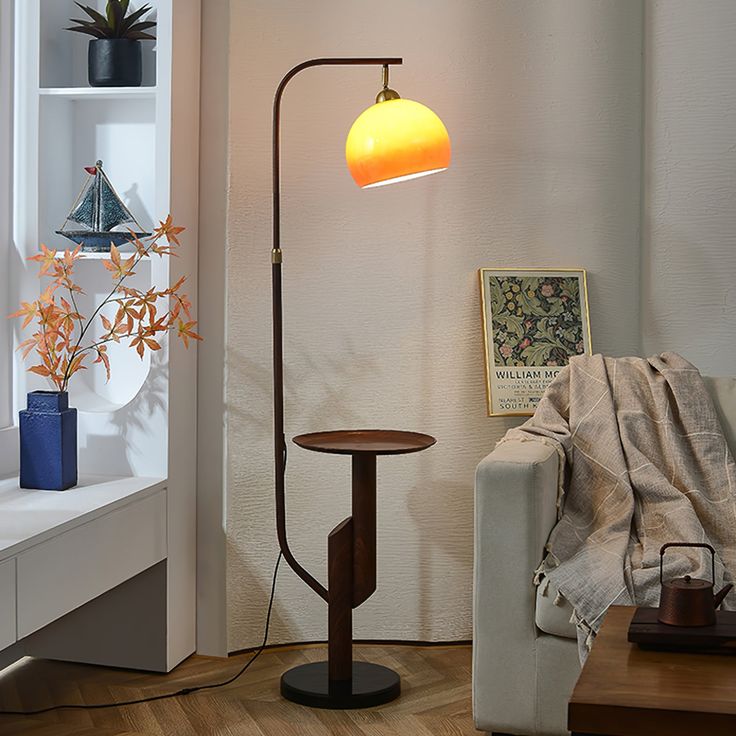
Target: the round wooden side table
pixel 351 578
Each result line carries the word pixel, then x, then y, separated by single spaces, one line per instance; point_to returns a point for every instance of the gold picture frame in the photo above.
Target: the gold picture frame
pixel 534 320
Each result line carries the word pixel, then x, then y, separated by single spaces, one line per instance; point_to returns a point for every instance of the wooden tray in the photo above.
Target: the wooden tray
pixel 649 633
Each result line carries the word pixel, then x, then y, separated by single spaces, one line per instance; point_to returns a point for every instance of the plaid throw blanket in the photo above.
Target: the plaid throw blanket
pixel 643 462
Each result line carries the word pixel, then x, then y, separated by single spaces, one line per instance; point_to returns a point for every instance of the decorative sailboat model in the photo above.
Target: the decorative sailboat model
pixel 99 216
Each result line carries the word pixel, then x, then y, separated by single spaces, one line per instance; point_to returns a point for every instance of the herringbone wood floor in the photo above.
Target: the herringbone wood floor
pixel 435 698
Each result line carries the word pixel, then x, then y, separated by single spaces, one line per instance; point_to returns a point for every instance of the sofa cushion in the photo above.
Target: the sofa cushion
pixel 551 618
pixel 723 393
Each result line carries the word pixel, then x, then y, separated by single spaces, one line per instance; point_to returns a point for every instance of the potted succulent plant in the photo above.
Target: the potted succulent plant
pixel 63 344
pixel 114 55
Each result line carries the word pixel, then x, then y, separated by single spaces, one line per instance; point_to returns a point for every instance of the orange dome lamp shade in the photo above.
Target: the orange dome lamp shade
pixel 396 140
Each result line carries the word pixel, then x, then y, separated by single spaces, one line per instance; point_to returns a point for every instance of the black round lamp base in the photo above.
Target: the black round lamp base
pixel 371 685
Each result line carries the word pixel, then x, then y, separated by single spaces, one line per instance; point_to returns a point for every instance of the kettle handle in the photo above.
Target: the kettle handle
pixel 688 544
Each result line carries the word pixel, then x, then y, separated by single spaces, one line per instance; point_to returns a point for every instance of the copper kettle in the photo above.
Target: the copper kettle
pixel 689 601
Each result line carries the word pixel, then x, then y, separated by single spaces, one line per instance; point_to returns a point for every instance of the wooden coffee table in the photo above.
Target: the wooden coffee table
pixel 627 691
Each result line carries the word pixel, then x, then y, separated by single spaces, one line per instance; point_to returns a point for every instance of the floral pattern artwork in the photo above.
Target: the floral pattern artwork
pixel 536 320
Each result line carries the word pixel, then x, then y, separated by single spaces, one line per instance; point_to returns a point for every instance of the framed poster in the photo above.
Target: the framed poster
pixel 534 320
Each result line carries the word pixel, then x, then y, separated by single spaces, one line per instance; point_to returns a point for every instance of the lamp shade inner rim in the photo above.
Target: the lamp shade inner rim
pixel 405 177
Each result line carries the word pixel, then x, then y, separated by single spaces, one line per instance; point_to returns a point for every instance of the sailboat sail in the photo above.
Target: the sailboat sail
pixel 112 212
pixel 84 212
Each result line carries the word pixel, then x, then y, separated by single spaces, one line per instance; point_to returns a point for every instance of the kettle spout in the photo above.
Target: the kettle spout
pixel 721 594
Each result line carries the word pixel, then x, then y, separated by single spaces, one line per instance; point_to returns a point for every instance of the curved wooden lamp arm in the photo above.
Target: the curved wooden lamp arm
pixel 279 441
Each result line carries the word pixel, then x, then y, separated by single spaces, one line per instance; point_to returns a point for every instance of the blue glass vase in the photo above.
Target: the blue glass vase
pixel 48 442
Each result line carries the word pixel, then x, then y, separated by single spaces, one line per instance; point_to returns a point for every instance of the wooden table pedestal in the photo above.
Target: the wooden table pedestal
pixel 351 554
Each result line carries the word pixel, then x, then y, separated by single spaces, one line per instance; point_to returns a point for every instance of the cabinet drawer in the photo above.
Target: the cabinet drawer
pixel 7 604
pixel 67 571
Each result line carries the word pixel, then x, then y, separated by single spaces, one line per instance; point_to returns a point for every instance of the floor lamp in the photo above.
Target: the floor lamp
pixel 393 140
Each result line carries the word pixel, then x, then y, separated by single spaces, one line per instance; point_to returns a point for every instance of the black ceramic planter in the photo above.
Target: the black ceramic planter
pixel 115 62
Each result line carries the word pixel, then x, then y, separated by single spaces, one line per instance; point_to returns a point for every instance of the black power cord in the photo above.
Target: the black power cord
pixel 183 691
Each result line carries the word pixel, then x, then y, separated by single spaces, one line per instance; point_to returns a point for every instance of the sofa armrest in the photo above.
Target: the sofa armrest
pixel 515 510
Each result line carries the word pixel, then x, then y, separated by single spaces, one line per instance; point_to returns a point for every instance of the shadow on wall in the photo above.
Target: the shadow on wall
pixel 116 453
pixel 326 379
pixel 138 208
pixel 254 617
pixel 134 419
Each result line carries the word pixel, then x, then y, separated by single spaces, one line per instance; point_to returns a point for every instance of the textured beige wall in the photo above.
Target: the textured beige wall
pixel 689 214
pixel 542 101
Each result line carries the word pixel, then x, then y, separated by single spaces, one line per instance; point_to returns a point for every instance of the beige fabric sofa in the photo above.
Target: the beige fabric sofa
pixel 525 658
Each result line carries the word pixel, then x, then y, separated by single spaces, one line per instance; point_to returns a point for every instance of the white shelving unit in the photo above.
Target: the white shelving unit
pixel 143 422
pixel 100 93
pixel 95 256
pixel 43 597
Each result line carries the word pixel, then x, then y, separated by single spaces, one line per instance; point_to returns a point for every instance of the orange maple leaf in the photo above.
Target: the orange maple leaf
pixel 119 268
pixel 185 332
pixel 26 346
pixel 76 364
pixel 70 256
pixel 29 310
pixel 102 357
pixel 139 345
pixel 140 247
pixel 167 228
pixel 47 259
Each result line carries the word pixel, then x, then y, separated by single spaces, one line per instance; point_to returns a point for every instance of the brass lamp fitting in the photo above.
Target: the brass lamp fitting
pixel 386 93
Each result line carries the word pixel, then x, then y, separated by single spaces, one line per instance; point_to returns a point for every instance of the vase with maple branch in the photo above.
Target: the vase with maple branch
pixel 63 344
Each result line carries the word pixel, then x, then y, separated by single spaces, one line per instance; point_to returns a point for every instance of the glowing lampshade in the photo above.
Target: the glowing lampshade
pixel 396 140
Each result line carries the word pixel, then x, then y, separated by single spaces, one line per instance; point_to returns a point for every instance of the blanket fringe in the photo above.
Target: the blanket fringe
pixel 538 574
pixel 587 631
pixel 549 562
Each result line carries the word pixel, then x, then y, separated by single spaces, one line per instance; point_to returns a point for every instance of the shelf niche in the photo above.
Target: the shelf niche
pixel 75 133
pixel 122 133
pixel 63 59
